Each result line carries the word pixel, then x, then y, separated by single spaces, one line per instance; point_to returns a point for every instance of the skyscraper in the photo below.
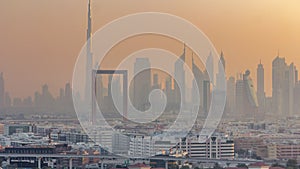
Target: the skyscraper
pixel 230 100
pixel 199 79
pixel 99 90
pixel 142 84
pixel 180 77
pixel 108 103
pixel 68 98
pixel 116 94
pixel 206 96
pixel 155 82
pixel 297 98
pixel 279 68
pixel 210 67
pixel 89 59
pixel 221 79
pixel 261 87
pixel 246 99
pixel 2 91
pixel 290 85
pixel 169 93
pixel 68 91
pixel 7 100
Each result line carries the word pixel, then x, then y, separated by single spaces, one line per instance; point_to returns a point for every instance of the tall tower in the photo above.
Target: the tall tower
pixel 221 79
pixel 90 81
pixel 210 67
pixel 199 79
pixel 260 87
pixel 230 100
pixel 279 68
pixel 290 85
pixel 142 84
pixel 179 85
pixel 246 99
pixel 222 62
pixel 89 58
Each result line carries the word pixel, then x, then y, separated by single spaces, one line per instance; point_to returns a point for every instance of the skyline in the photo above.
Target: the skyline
pixel 259 36
pixel 150 84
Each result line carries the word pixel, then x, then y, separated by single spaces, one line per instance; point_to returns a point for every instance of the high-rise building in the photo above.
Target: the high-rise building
pixel 230 99
pixel 279 68
pixel 142 84
pixel 107 100
pixel 284 78
pixel 297 98
pixel 99 90
pixel 89 60
pixel 179 74
pixel 156 85
pixel 68 91
pixel 169 94
pixel 246 99
pixel 221 78
pixel 46 99
pixel 61 94
pixel 261 96
pixel 199 79
pixel 2 91
pixel 289 90
pixel 7 99
pixel 206 96
pixel 210 67
pixel 117 97
pixel 68 98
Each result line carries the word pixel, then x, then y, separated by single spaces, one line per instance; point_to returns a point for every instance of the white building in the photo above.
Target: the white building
pixel 216 147
pixel 141 146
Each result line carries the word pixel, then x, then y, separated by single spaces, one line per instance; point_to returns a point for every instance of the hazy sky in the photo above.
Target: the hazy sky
pixel 40 40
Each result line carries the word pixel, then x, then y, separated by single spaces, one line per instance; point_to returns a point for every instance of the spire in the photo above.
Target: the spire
pixel 182 57
pixel 88 37
pixel 222 61
pixel 193 63
pixel 89 29
pixel 222 54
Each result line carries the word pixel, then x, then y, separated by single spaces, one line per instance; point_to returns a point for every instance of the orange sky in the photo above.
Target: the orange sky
pixel 40 40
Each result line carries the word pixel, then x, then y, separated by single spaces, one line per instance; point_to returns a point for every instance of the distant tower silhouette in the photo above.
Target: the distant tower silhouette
pixel 142 84
pixel 210 67
pixel 199 79
pixel 246 99
pixel 221 79
pixel 260 87
pixel 180 76
pixel 279 68
pixel 89 63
